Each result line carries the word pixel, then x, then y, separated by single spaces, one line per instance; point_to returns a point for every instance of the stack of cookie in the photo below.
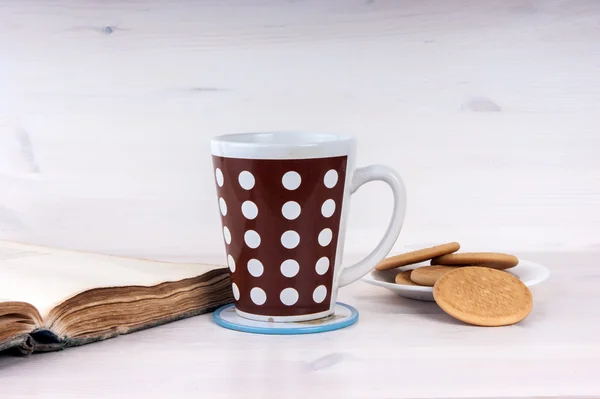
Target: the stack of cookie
pixel 473 287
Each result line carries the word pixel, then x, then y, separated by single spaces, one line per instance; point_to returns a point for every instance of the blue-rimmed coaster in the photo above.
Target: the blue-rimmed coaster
pixel 343 316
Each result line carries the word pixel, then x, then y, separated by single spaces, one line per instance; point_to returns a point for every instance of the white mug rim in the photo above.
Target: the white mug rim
pixel 282 145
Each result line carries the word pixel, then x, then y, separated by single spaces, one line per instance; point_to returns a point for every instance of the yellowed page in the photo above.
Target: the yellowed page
pixel 45 277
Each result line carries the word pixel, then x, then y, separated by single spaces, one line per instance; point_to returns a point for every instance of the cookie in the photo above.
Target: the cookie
pixel 486 259
pixel 483 296
pixel 421 255
pixel 404 278
pixel 428 275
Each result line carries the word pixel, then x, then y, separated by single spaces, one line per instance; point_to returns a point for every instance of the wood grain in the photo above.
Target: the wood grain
pixel 106 110
pixel 554 352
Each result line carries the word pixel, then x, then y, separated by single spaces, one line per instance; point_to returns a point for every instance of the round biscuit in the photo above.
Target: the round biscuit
pixel 404 278
pixel 486 259
pixel 483 296
pixel 420 255
pixel 428 275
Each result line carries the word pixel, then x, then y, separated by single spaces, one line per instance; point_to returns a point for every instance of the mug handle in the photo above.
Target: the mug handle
pixel 361 176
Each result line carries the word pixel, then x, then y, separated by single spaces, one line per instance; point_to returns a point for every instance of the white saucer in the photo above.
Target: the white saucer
pixel 528 272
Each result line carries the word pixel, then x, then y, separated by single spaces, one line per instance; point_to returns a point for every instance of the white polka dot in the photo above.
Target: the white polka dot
pixel 227 235
pixel 290 268
pixel 319 294
pixel 249 210
pixel 291 180
pixel 325 237
pixel 223 206
pixel 331 178
pixel 252 239
pixel 290 210
pixel 328 208
pixel 219 177
pixel 231 263
pixel 236 291
pixel 322 266
pixel 288 296
pixel 255 267
pixel 258 296
pixel 246 180
pixel 290 239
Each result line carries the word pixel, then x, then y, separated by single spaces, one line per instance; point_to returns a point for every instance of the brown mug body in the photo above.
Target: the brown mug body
pixel 281 228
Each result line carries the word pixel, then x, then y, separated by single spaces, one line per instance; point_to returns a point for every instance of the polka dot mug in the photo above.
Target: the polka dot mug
pixel 284 202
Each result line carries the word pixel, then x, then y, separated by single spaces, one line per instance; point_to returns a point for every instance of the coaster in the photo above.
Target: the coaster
pixel 343 316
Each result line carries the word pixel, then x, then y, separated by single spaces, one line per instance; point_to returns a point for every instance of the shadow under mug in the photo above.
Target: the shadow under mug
pixel 284 200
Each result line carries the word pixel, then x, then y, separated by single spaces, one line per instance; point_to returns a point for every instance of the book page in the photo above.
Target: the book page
pixel 45 277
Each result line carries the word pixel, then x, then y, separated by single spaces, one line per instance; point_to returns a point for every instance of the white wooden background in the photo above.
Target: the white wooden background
pixel 490 110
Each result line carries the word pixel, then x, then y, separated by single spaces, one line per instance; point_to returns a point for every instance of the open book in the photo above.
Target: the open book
pixel 51 299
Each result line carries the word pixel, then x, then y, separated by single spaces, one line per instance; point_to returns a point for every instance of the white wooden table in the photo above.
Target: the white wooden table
pixel 399 348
